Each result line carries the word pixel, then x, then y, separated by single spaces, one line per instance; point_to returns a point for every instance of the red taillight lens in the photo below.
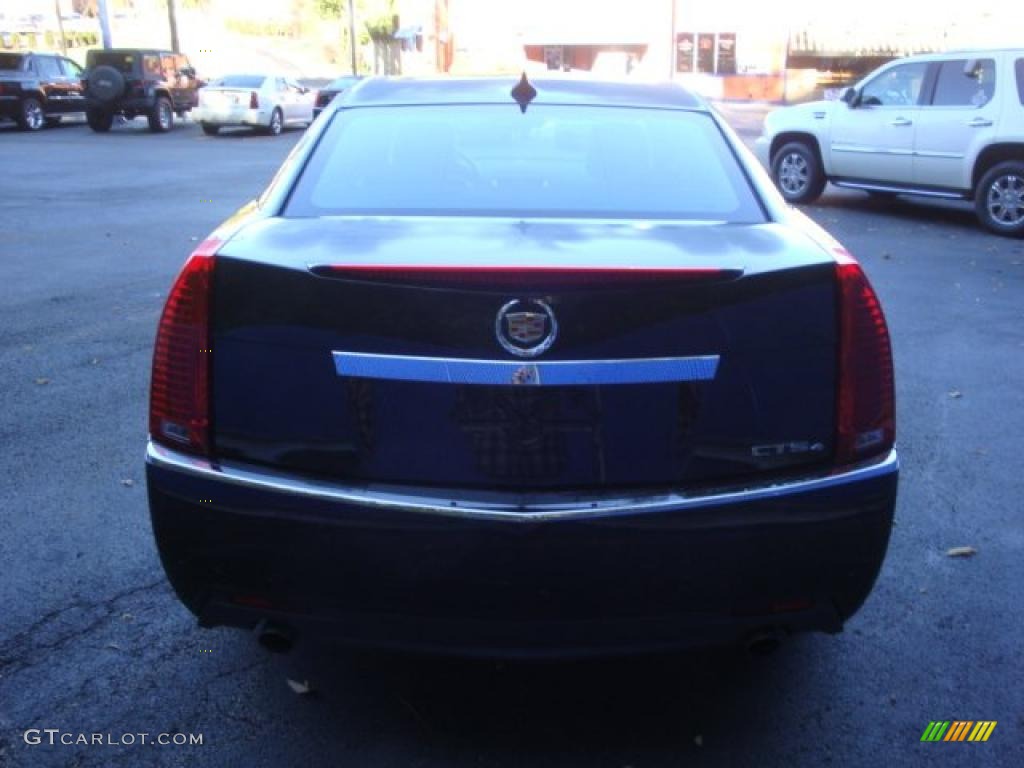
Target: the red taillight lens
pixel 179 402
pixel 254 100
pixel 323 99
pixel 866 407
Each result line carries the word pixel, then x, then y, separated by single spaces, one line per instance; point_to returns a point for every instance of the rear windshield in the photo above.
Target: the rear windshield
pixel 13 61
pixel 123 62
pixel 239 81
pixel 552 161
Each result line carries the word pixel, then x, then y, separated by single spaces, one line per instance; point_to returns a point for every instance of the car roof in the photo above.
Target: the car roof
pixel 394 91
pixel 132 51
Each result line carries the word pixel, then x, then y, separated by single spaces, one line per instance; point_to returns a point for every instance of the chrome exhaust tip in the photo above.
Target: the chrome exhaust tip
pixel 275 637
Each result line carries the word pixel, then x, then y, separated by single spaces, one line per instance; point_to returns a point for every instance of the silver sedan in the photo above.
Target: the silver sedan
pixel 267 103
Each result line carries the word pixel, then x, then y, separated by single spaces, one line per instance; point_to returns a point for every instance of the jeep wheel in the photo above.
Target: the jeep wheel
pixel 161 117
pixel 31 117
pixel 798 173
pixel 99 120
pixel 209 129
pixel 999 199
pixel 276 123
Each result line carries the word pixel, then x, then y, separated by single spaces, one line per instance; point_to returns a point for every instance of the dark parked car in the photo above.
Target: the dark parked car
pixel 326 95
pixel 541 372
pixel 36 89
pixel 133 82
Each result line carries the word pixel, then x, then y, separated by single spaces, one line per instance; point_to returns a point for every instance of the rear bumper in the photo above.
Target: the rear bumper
pixel 518 576
pixel 135 105
pixel 232 116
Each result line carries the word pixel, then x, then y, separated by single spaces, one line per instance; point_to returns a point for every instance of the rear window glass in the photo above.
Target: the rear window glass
pixel 552 161
pixel 1020 79
pixel 240 81
pixel 12 61
pixel 122 62
pixel 965 83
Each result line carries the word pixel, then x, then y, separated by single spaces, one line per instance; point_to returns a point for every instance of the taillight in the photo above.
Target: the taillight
pixel 323 98
pixel 866 407
pixel 254 100
pixel 179 401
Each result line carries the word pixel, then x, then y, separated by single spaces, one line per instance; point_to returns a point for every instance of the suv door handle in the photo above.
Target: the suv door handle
pixel 980 122
pixel 901 122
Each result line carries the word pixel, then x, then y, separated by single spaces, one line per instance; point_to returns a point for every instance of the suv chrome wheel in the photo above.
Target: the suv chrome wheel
pixel 162 117
pixel 794 174
pixel 32 117
pixel 1006 200
pixel 999 200
pixel 797 172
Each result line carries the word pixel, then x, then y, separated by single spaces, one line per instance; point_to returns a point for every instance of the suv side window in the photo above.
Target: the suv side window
pixel 167 65
pixel 151 65
pixel 1019 66
pixel 965 83
pixel 899 86
pixel 47 67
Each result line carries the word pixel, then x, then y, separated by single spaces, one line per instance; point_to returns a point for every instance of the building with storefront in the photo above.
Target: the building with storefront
pixel 786 48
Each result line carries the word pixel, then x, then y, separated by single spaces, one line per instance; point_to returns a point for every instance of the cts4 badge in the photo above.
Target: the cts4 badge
pixel 526 327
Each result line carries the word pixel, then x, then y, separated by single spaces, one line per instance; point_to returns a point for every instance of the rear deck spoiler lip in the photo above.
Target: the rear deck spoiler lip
pixel 533 507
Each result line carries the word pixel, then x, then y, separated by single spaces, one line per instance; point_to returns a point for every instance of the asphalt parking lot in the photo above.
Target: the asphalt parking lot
pixel 93 641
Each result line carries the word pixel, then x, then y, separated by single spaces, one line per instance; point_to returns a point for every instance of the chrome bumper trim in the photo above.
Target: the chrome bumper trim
pixel 547 373
pixel 486 505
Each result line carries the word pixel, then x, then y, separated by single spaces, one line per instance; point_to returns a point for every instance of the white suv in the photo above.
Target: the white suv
pixel 942 125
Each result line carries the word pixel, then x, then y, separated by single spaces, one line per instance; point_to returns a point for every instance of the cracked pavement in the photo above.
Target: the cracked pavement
pixel 92 639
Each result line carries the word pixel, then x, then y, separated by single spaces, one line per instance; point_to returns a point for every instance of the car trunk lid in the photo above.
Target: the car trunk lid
pixel 369 350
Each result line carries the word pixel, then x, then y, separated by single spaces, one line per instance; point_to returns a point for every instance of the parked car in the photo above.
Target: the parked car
pixel 541 372
pixel 339 86
pixel 134 82
pixel 37 89
pixel 939 125
pixel 266 102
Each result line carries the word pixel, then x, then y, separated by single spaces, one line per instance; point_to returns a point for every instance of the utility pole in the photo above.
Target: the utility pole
pixel 104 23
pixel 352 33
pixel 673 51
pixel 172 18
pixel 60 26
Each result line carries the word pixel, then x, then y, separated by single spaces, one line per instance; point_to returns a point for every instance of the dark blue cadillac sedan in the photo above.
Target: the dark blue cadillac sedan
pixel 521 369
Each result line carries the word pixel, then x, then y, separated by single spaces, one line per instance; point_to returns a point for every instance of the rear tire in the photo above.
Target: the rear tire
pixel 161 117
pixel 999 199
pixel 276 123
pixel 30 117
pixel 797 173
pixel 210 130
pixel 99 120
